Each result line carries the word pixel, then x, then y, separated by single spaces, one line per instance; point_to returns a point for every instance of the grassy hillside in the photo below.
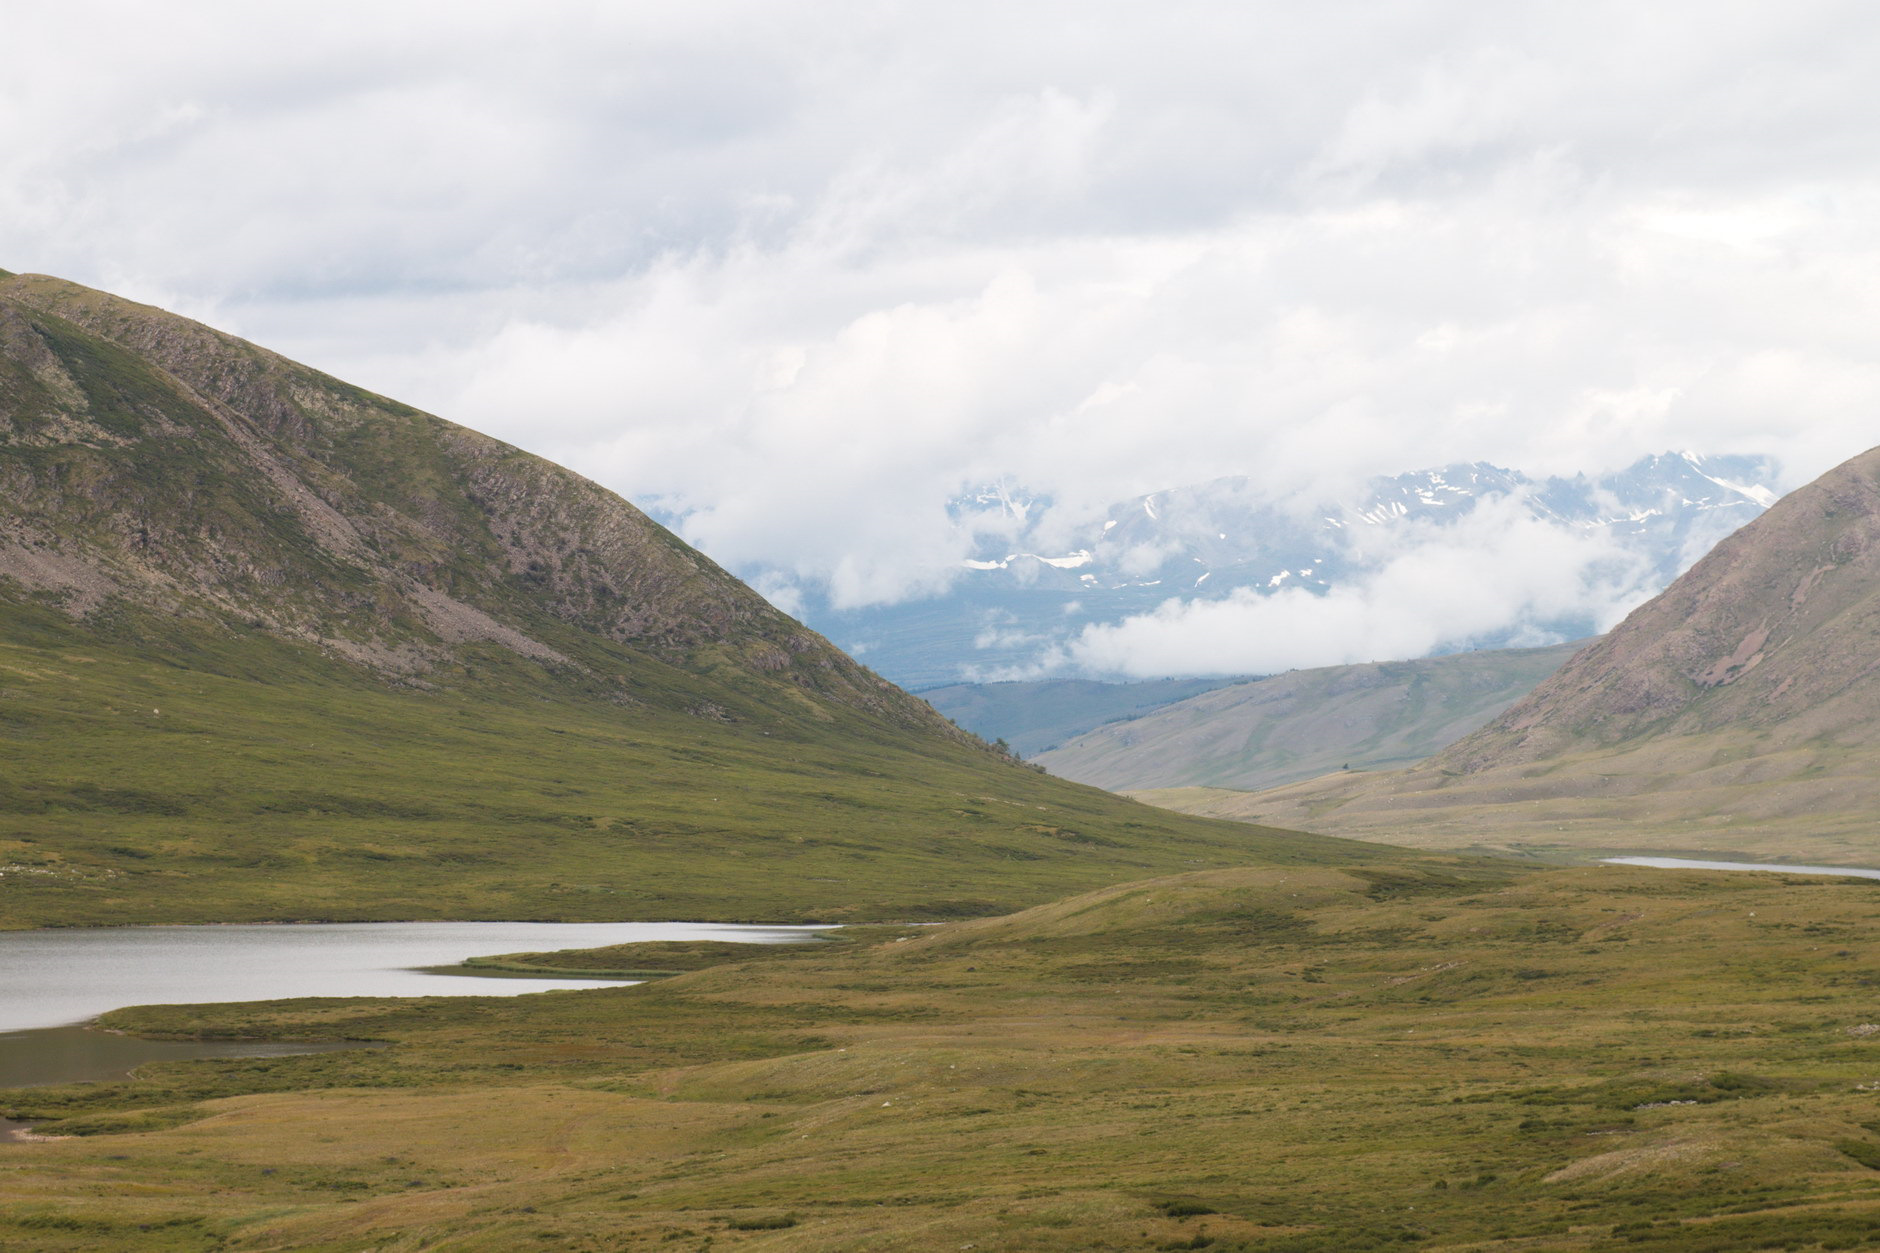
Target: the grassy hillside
pixel 1036 716
pixel 274 647
pixel 1447 1056
pixel 151 465
pixel 172 776
pixel 1306 723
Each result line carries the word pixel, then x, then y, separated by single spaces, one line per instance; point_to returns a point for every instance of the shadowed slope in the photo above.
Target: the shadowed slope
pixel 1035 716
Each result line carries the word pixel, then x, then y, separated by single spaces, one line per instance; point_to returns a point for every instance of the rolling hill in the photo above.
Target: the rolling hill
pixel 1738 711
pixel 1306 723
pixel 273 647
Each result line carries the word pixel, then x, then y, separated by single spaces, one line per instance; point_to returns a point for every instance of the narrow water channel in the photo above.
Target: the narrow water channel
pixel 1686 863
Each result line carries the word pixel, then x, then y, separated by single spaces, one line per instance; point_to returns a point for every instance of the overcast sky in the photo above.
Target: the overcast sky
pixel 800 271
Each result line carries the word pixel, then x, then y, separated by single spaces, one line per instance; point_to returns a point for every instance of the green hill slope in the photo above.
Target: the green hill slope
pixel 1306 723
pixel 274 647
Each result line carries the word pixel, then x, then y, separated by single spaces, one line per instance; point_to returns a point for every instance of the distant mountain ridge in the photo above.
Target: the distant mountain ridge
pixel 1739 710
pixel 1305 723
pixel 1033 717
pixel 152 460
pixel 1027 588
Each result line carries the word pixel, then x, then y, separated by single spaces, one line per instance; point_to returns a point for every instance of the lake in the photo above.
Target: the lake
pixel 53 979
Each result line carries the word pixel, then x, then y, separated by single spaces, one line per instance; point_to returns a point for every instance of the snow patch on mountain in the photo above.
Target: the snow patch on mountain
pixel 1038 584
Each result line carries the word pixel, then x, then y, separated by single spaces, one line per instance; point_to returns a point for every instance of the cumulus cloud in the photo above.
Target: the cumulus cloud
pixel 797 275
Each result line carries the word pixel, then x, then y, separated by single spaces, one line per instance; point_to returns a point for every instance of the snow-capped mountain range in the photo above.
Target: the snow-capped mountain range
pixel 1031 584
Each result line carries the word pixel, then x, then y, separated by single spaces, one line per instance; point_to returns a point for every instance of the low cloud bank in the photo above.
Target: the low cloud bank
pixel 798 274
pixel 1495 575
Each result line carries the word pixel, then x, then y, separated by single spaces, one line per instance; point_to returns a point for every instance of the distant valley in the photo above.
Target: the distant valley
pixel 1248 732
pixel 1035 716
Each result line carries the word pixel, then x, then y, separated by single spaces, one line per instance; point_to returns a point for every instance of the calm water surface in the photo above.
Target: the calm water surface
pixel 1684 863
pixel 51 980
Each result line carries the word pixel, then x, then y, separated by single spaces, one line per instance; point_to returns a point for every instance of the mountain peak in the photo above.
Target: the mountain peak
pixel 1772 629
pixel 162 464
pixel 1031 581
pixel 1734 711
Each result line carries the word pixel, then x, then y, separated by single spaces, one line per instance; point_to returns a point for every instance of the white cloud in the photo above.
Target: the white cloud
pixel 799 273
pixel 1497 571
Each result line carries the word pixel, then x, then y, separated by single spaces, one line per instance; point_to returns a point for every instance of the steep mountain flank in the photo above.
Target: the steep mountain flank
pixel 272 646
pixel 154 461
pixel 1776 631
pixel 1305 723
pixel 1739 710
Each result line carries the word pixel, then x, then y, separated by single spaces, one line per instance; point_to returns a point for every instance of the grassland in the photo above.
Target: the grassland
pixel 1730 795
pixel 645 959
pixel 162 771
pixel 1449 1056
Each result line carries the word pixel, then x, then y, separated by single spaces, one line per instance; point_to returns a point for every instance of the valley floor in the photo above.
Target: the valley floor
pixel 1817 813
pixel 1453 1055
